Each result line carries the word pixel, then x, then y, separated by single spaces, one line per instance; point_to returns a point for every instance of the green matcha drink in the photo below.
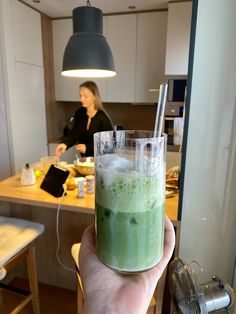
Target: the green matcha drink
pixel 129 212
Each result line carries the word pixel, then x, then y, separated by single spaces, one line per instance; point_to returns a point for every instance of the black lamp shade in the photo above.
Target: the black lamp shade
pixel 87 53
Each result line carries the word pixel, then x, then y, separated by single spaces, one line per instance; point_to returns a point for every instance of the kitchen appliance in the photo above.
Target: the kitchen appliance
pixel 176 89
pixel 173 113
pixel 190 296
pixel 174 108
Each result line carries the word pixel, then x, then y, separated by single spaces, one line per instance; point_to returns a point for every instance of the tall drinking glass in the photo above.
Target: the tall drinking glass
pixel 130 198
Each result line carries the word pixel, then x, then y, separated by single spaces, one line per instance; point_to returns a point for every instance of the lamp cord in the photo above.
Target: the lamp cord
pixel 58 235
pixel 88 3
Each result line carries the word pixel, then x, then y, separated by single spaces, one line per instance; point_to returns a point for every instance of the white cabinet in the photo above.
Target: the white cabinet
pixel 151 43
pixel 24 82
pixel 26 25
pixel 178 38
pixel 67 88
pixel 121 36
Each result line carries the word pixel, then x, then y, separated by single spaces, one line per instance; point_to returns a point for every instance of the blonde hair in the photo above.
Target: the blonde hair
pixel 92 86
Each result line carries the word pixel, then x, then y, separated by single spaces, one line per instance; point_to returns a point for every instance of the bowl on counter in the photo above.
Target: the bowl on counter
pixel 85 165
pixel 47 161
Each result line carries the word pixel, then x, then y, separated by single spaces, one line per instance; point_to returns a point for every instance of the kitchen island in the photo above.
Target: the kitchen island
pixel 31 202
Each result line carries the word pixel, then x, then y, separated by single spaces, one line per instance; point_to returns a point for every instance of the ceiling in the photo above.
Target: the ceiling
pixel 63 8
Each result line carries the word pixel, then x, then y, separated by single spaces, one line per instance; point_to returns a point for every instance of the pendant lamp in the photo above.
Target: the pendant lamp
pixel 87 53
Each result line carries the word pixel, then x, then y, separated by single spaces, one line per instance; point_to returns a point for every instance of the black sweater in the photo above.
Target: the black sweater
pixel 79 133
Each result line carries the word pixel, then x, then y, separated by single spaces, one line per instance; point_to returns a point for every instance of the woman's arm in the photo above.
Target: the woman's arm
pixel 60 149
pixel 74 134
pixel 72 138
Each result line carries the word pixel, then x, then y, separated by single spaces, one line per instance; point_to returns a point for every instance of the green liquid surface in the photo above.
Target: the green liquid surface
pixel 129 241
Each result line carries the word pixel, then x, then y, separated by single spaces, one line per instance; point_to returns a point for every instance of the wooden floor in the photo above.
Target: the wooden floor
pixel 53 300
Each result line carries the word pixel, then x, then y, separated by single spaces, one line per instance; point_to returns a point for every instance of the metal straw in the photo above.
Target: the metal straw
pixel 160 109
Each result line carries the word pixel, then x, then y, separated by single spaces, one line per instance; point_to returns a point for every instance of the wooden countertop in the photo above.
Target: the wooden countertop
pixel 12 191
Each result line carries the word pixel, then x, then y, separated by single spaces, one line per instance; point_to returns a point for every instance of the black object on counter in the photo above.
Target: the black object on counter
pixel 54 180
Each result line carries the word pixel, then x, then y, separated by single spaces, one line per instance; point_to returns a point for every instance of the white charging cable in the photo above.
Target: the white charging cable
pixel 58 234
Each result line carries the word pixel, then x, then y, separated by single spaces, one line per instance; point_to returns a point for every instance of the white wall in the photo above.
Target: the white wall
pixel 25 82
pixel 208 230
pixel 5 164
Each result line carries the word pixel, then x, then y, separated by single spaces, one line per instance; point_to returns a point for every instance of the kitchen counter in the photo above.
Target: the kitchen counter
pixel 12 191
pixel 31 202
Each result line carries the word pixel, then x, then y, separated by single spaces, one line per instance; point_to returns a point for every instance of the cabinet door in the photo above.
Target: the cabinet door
pixel 151 42
pixel 24 82
pixel 28 36
pixel 67 88
pixel 178 38
pixel 121 36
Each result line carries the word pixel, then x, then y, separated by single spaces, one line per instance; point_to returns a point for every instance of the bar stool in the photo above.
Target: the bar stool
pixel 80 294
pixel 16 243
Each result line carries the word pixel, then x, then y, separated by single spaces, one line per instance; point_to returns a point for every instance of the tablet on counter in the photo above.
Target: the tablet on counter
pixel 54 180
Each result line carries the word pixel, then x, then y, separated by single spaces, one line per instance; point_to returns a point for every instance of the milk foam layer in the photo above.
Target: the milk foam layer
pixel 120 187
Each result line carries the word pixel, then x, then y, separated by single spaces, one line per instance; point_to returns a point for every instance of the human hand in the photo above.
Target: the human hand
pixel 81 148
pixel 60 149
pixel 107 291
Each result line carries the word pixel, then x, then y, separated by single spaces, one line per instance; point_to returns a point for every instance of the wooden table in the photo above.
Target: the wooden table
pixel 31 202
pixel 12 191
